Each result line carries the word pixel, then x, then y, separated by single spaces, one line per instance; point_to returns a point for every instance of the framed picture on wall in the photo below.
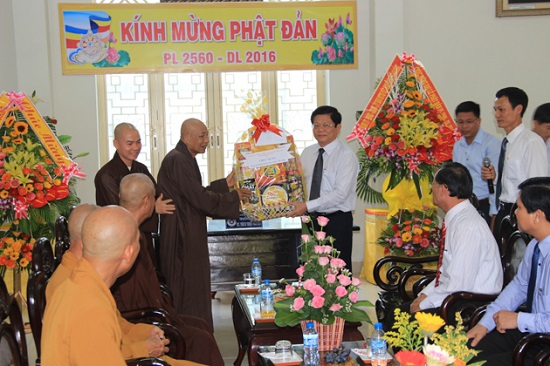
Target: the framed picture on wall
pixel 512 8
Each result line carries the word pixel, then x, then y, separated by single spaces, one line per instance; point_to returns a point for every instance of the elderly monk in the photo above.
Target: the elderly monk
pixel 184 258
pixel 138 340
pixel 140 288
pixel 127 142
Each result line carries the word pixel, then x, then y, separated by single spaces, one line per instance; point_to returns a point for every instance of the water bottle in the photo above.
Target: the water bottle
pixel 311 345
pixel 378 346
pixel 256 270
pixel 266 304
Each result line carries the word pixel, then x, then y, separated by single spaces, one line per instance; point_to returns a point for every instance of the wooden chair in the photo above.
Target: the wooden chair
pixel 62 242
pixel 43 265
pixel 394 275
pixel 530 341
pixel 12 330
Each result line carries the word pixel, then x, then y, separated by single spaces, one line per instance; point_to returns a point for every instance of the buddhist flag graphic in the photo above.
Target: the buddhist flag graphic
pixel 86 35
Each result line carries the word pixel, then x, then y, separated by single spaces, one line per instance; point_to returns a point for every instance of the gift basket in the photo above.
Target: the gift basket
pixel 267 163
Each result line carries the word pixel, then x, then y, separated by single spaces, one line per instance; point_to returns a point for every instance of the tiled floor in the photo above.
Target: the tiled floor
pixel 225 334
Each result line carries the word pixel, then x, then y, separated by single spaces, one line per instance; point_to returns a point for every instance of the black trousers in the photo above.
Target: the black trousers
pixel 497 348
pixel 340 227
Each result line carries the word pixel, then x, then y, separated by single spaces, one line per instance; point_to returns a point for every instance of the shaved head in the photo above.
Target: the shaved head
pixel 134 188
pixel 189 125
pixel 194 134
pixel 107 232
pixel 123 127
pixel 77 217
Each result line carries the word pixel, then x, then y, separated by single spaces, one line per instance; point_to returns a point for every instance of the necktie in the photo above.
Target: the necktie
pixel 500 169
pixel 317 176
pixel 441 250
pixel 533 278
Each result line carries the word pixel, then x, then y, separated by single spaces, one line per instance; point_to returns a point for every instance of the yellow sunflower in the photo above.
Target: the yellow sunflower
pixel 21 128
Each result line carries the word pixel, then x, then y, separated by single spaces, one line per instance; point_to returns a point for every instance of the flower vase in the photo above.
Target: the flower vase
pixel 330 336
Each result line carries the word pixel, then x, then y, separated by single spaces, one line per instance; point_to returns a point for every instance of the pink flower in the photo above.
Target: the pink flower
pixel 300 271
pixel 112 55
pixel 317 302
pixel 320 235
pixel 323 261
pixel 335 307
pixel 340 291
pixel 344 280
pixel 399 242
pixel 305 219
pixel 317 291
pixel 290 290
pixel 318 249
pixel 327 249
pixel 337 263
pixel 356 281
pixel 2 155
pixel 322 221
pixel 353 297
pixel 298 303
pixel 348 19
pixel 308 284
pixel 331 278
pixel 305 238
pixel 331 53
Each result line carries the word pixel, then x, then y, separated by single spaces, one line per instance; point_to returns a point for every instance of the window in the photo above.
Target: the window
pixel 157 104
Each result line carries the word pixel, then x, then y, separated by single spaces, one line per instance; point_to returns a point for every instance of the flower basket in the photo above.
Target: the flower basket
pixel 330 336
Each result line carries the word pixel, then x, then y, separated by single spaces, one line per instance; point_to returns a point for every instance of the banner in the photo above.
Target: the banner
pixel 207 37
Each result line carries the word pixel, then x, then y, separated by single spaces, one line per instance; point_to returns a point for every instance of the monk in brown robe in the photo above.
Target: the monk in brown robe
pixel 184 258
pixel 127 142
pixel 140 288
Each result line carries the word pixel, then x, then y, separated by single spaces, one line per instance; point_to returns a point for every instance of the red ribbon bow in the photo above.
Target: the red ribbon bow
pixel 73 170
pixel 262 124
pixel 20 210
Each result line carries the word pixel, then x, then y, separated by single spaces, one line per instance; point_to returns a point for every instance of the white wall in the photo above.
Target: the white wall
pixel 467 51
pixel 8 74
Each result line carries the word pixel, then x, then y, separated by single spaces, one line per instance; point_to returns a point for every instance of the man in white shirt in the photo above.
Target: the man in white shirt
pixel 524 155
pixel 470 259
pixel 541 126
pixel 334 197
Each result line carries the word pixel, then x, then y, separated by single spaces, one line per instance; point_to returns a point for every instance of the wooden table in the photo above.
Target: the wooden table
pixel 299 349
pixel 253 332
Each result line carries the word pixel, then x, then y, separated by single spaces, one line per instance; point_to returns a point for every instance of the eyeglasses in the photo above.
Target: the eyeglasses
pixel 466 122
pixel 324 127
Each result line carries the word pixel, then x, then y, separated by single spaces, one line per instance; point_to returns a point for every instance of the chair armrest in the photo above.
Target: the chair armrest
pixel 426 276
pixel 529 341
pixel 464 302
pixel 177 343
pixel 147 315
pixel 396 267
pixel 147 361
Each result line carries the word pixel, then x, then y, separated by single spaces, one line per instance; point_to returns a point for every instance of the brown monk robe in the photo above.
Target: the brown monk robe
pixel 184 257
pixel 140 288
pixel 107 181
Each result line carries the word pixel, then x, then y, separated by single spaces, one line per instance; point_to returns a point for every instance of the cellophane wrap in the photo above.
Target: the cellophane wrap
pixel 276 184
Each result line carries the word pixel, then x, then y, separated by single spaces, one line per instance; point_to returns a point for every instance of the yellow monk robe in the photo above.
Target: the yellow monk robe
pixel 133 335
